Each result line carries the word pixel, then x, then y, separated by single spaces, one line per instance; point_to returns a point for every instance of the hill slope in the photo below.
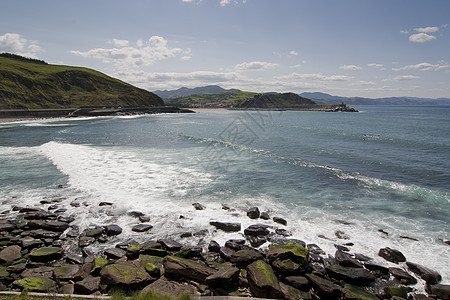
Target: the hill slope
pixel 185 92
pixel 33 84
pixel 276 101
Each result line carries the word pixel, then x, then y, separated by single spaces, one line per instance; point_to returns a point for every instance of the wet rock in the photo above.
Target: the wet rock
pixel 114 253
pixel 341 248
pixel 262 280
pixel 282 232
pixel 170 245
pixel 74 255
pixel 235 244
pixel 346 260
pixel 198 206
pixel 256 241
pixel 325 288
pixel 213 246
pixel 228 227
pixel 36 284
pixel 85 241
pixel 253 213
pixel 142 227
pixel 226 253
pixel 177 266
pixel 351 275
pixel 225 276
pixel 66 219
pixel 186 235
pixel 75 203
pixel 362 257
pixel 402 276
pixel 126 275
pixel 112 229
pixel 44 234
pixel 6 225
pixel 10 253
pixel 291 293
pixel 257 230
pixel 264 216
pixel 294 252
pixel 390 292
pixel 313 248
pixel 279 220
pixel 391 255
pixel 341 235
pixel 244 257
pixel 352 292
pixel 104 203
pixel 298 282
pixel 46 254
pixel 377 270
pixel 169 288
pixel 144 219
pixel 56 226
pixel 135 214
pixel 442 291
pixel 201 233
pixel 88 285
pixel 93 232
pixel 66 272
pixel 430 276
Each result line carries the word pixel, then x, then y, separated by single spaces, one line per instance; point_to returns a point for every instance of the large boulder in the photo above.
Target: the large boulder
pixel 430 276
pixel 46 254
pixel 402 276
pixel 346 260
pixel 257 230
pixel 392 255
pixel 66 272
pixel 88 285
pixel 182 267
pixel 296 253
pixel 291 293
pixel 325 288
pixel 225 276
pixel 442 291
pixel 262 280
pixel 253 213
pixel 245 257
pixel 113 229
pixel 10 253
pixel 226 226
pixel 125 274
pixel 351 275
pixel 36 284
pixel 169 288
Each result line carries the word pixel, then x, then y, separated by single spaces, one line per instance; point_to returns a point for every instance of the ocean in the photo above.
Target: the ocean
pixel 378 178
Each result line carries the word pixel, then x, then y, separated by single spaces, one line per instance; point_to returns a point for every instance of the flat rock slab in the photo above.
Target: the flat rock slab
pixel 10 253
pixel 88 285
pixel 166 287
pixel 326 288
pixel 46 254
pixel 228 227
pixel 36 284
pixel 142 227
pixel 225 276
pixel 187 268
pixel 351 275
pixel 391 255
pixel 263 281
pixel 170 245
pixel 66 272
pixel 125 274
pixel 296 253
pixel 430 276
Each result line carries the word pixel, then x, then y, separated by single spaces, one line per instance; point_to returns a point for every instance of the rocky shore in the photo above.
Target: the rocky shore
pixel 41 251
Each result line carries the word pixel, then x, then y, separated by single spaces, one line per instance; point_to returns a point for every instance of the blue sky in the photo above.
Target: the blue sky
pixel 376 48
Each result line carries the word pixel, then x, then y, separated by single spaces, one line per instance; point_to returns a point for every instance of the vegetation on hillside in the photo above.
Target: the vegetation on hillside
pixel 32 84
pixel 224 99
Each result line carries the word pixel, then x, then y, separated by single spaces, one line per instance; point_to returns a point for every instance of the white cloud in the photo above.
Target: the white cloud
pixel 155 49
pixel 224 2
pixel 367 83
pixel 404 31
pixel 295 76
pixel 119 43
pixel 427 29
pixel 423 67
pixel 350 67
pixel 406 77
pixel 295 53
pixel 421 37
pixel 255 66
pixel 375 65
pixel 15 43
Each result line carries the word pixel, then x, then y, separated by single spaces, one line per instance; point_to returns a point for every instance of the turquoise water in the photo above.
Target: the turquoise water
pixel 383 168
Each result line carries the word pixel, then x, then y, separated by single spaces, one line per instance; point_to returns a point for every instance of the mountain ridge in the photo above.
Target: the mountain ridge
pixel 185 92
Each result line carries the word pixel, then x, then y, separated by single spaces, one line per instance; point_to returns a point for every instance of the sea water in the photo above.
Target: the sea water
pixel 336 178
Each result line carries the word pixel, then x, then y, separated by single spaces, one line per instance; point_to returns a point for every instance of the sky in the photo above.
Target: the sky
pixel 366 48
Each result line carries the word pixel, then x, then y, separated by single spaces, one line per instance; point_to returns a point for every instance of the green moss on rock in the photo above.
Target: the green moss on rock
pixel 153 270
pixel 36 284
pixel 355 292
pixel 295 252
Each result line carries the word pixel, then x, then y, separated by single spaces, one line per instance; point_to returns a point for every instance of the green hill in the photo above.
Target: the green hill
pixel 274 100
pixel 33 84
pixel 223 99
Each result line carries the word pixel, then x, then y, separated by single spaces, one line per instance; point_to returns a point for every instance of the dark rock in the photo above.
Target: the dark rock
pixel 313 248
pixel 210 256
pixel 213 246
pixel 282 232
pixel 351 275
pixel 55 226
pixel 377 270
pixel 135 214
pixel 279 220
pixel 298 282
pixel 228 227
pixel 198 206
pixel 66 219
pixel 346 260
pixel 169 288
pixel 352 292
pixel 362 257
pixel 36 284
pixel 67 289
pixel 225 276
pixel 285 241
pixel 66 272
pixel 144 219
pixel 291 293
pixel 390 292
pixel 256 241
pixel 257 230
pixel 262 280
pixel 114 253
pixel 74 254
pixel 6 225
pixel 430 276
pixel 112 229
pixel 10 253
pixel 186 235
pixel 170 245
pixel 186 268
pixel 201 233
pixel 326 288
pixel 408 238
pixel 142 227
pixel 88 285
pixel 421 297
pixel 41 233
pixel 402 276
pixel 85 241
pixel 391 255
pixel 286 266
pixel 294 252
pixel 40 215
pixel 84 271
pixel 45 254
pixel 253 213
pixel 75 203
pixel 226 253
pixel 242 258
pixel 126 274
pixel 442 291
pixel 341 248
pixel 235 244
pixel 264 216
pixel 105 203
pixel 93 232
pixel 341 235
pixel 38 272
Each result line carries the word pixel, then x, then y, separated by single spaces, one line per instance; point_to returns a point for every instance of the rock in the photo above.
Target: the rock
pixel 152 270
pixel 352 292
pixel 85 241
pixel 88 285
pixel 294 252
pixel 279 220
pixel 313 248
pixel 44 272
pixel 36 284
pixel 169 288
pixel 170 245
pixel 430 276
pixel 264 216
pixel 362 257
pixel 104 203
pixel 55 226
pixel 326 288
pixel 97 264
pixel 177 266
pixel 6 225
pixel 442 291
pixel 262 280
pixel 46 254
pixel 213 246
pixel 257 230
pixel 67 289
pixel 144 219
pixel 126 274
pixel 253 213
pixel 235 244
pixel 346 260
pixel 291 293
pixel 286 266
pixel 186 235
pixel 282 232
pixel 114 253
pixel 228 227
pixel 225 276
pixel 84 271
pixel 402 276
pixel 65 219
pixel 112 229
pixel 242 258
pixel 391 255
pixel 142 227
pixel 198 206
pixel 93 232
pixel 377 270
pixel 351 275
pixel 393 291
pixel 66 272
pixel 256 241
pixel 299 282
pixel 10 253
pixel 41 233
pixel 226 252
pixel 341 248
pixel 135 214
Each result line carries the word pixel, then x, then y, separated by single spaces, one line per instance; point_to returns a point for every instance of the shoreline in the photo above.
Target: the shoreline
pixel 40 242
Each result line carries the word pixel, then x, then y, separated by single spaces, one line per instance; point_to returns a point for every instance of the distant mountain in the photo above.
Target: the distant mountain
pixel 185 92
pixel 34 84
pixel 272 100
pixel 323 98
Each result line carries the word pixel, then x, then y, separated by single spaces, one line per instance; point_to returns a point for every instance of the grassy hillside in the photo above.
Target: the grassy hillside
pixel 275 101
pixel 33 84
pixel 224 99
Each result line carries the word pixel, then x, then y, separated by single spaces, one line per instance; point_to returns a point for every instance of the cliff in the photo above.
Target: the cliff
pixel 34 84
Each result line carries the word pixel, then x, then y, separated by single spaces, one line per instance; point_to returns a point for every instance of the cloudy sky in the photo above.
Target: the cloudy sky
pixel 369 48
